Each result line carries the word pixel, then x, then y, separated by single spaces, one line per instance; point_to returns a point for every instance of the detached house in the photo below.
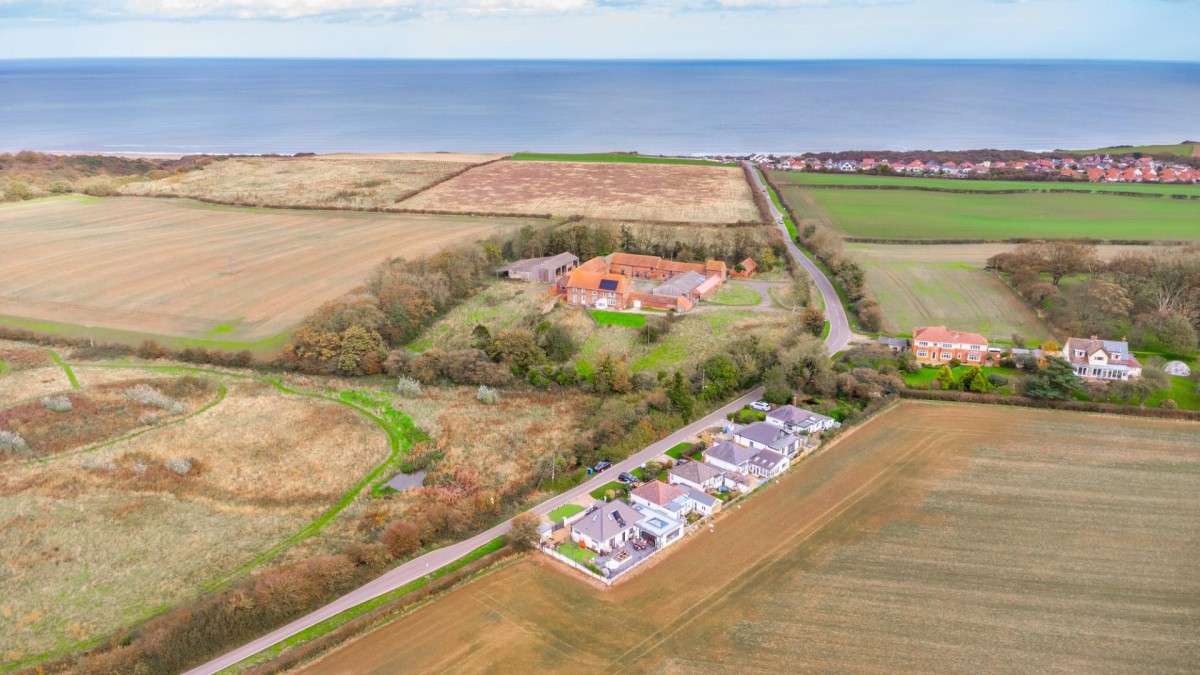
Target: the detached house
pixel 697 476
pixel 606 527
pixel 767 436
pixel 795 420
pixel 938 345
pixel 1096 359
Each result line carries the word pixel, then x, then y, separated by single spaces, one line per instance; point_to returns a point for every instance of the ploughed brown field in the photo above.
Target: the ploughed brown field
pixel 663 192
pixel 936 538
pixel 175 267
pixel 373 182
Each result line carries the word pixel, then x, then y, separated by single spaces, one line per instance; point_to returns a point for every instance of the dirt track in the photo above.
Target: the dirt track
pixel 938 538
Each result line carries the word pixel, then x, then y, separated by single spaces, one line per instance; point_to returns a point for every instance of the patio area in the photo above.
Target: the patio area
pixel 624 558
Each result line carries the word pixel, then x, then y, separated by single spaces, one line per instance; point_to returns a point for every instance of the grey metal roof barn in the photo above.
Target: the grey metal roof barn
pixel 681 284
pixel 545 270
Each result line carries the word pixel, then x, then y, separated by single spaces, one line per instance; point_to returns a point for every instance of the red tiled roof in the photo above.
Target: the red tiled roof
pixel 658 492
pixel 943 334
pixel 636 260
pixel 590 281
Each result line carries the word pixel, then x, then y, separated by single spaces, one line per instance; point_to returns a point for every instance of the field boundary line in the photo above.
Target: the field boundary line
pixel 834 511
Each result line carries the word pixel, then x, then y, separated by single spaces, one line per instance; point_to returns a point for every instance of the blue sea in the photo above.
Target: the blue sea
pixel 288 106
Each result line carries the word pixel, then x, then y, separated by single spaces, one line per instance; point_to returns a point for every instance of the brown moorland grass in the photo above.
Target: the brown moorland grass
pixel 175 267
pixel 657 192
pixel 86 551
pixel 327 182
pixel 98 414
pixel 937 538
pixel 23 385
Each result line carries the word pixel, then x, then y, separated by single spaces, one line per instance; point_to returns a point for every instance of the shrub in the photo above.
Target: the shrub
pixel 12 442
pixel 402 538
pixel 148 418
pixel 147 395
pixel 101 461
pixel 997 380
pixel 486 395
pixel 59 404
pixel 408 387
pixel 1168 404
pixel 954 363
pixel 179 465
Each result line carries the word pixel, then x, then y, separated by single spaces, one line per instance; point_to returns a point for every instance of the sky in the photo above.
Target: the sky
pixel 598 29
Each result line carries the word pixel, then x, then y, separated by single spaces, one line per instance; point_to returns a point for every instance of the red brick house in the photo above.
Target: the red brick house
pixel 936 345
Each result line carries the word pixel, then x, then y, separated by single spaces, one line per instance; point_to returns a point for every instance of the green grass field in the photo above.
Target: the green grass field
pixel 605 318
pixel 839 179
pixel 737 295
pixel 1183 391
pixel 624 158
pixel 932 285
pixel 928 375
pixel 902 214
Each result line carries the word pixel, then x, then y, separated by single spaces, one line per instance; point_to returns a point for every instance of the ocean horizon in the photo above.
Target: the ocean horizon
pixel 285 106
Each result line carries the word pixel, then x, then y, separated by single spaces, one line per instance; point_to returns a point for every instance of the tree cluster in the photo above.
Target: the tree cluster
pixel 1152 297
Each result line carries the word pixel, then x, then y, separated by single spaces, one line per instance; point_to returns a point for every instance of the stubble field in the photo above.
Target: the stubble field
pixel 180 268
pixel 657 192
pixel 937 538
pixel 374 182
pixel 99 537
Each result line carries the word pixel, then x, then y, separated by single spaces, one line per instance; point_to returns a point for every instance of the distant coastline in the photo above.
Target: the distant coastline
pixel 165 107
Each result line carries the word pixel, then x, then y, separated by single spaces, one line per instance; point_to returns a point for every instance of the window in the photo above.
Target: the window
pixel 947 345
pixel 1116 356
pixel 1079 353
pixel 922 343
pixel 922 353
pixel 945 356
pixel 972 357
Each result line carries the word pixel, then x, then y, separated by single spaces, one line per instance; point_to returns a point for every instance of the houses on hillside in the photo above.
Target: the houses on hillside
pixel 1097 168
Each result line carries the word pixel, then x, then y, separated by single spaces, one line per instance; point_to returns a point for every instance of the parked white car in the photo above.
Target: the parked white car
pixel 761 406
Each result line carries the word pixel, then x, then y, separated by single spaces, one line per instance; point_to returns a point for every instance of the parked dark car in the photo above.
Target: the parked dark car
pixel 627 478
pixel 601 465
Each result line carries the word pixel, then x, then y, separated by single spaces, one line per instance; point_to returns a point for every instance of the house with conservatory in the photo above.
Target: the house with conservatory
pixel 1096 359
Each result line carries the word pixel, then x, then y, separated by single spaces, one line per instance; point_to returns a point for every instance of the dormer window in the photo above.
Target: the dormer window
pixel 1079 353
pixel 1116 356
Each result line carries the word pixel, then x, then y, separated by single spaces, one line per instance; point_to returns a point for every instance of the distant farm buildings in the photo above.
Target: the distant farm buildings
pixel 546 270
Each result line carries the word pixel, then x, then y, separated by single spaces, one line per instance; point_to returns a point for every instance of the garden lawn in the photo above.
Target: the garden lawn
pixel 902 214
pixel 928 375
pixel 616 486
pixel 605 318
pixel 736 294
pixel 572 550
pixel 565 511
pixel 677 451
pixel 1182 391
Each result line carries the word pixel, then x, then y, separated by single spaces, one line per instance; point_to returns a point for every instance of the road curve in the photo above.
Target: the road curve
pixel 836 341
pixel 439 558
pixel 839 326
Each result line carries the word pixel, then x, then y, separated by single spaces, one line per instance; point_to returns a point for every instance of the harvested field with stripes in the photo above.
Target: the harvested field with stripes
pixel 653 192
pixel 365 182
pixel 182 268
pixel 935 538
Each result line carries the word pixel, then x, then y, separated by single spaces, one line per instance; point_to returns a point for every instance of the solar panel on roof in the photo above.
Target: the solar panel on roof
pixel 608 284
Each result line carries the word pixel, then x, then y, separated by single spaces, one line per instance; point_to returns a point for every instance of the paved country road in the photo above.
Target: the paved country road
pixel 839 327
pixel 439 558
pixel 839 336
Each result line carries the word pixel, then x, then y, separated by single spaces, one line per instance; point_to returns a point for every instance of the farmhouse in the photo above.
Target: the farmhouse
pixel 767 436
pixel 547 270
pixel 938 345
pixel 608 526
pixel 795 420
pixel 697 476
pixel 745 269
pixel 596 289
pixel 1096 359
